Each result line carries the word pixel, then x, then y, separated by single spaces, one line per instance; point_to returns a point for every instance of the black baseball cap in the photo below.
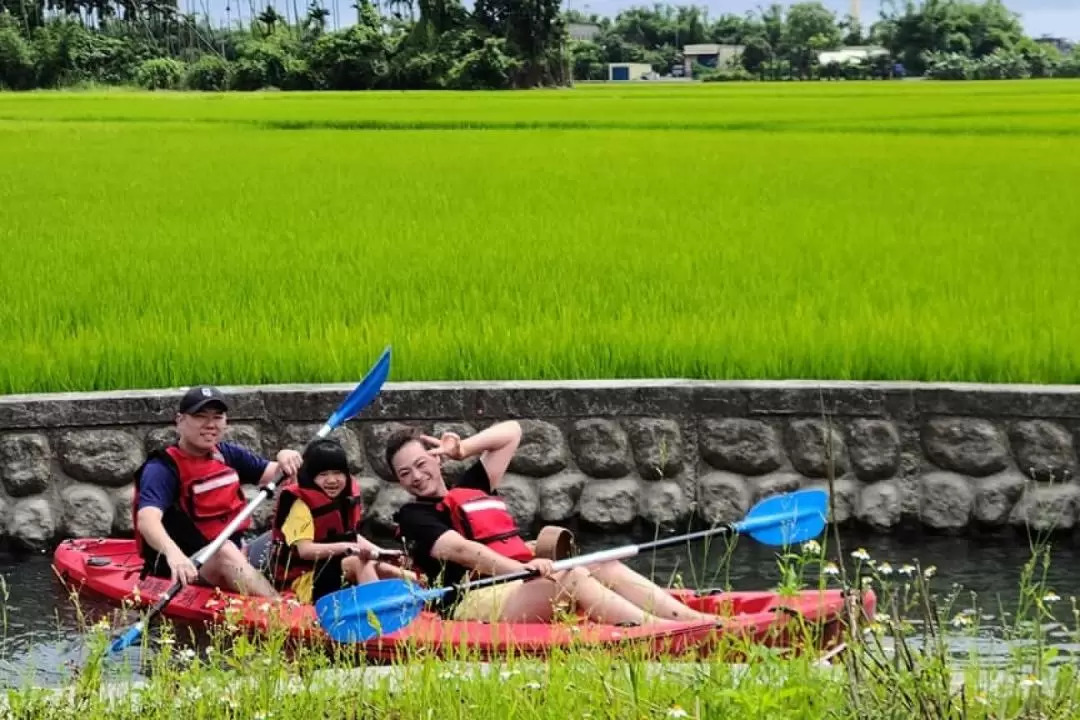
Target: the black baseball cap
pixel 199 397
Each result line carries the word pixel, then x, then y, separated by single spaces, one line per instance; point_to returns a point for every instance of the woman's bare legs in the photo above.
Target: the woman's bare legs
pixel 534 601
pixel 645 594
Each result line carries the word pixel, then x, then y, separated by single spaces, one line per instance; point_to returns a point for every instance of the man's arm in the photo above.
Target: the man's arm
pixel 496 447
pixel 153 532
pixel 252 468
pixel 452 547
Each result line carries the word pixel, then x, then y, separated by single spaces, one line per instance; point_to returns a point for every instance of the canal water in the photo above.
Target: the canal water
pixel 40 640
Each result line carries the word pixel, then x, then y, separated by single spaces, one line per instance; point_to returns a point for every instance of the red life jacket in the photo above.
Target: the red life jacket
pixel 336 520
pixel 209 493
pixel 485 519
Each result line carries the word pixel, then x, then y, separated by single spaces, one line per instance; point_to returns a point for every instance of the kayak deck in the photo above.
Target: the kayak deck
pixel 110 568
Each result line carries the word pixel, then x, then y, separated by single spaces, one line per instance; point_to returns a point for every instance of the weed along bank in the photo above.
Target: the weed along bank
pixel 610 455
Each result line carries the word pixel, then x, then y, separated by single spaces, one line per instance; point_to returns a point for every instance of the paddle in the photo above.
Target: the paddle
pixel 361 396
pixel 361 612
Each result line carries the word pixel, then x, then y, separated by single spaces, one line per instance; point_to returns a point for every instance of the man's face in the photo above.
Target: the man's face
pixel 203 429
pixel 418 471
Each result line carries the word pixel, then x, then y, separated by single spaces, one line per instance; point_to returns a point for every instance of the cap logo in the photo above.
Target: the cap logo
pixel 206 392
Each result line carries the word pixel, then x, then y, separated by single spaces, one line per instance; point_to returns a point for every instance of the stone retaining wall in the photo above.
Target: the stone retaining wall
pixel 609 454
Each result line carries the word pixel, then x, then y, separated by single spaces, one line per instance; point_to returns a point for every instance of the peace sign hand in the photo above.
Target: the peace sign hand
pixel 449 445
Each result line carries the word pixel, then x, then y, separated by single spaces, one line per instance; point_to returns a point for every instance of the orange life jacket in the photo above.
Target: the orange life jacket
pixel 209 494
pixel 485 519
pixel 336 520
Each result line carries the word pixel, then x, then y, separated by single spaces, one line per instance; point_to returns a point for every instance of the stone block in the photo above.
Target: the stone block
pixel 965 445
pixel 522 498
pixel 874 448
pixel 123 498
pixel 1043 450
pixel 247 436
pixel 739 445
pixel 1047 508
pixel 948 500
pixel 542 450
pixel 161 438
pixel 31 523
pixel 657 445
pixel 612 502
pixel 664 504
pixel 102 457
pixel 723 497
pixel 763 486
pixel 880 505
pixel 559 495
pixel 816 449
pixel 601 448
pixel 87 511
pixel 844 498
pixel 24 464
pixel 996 495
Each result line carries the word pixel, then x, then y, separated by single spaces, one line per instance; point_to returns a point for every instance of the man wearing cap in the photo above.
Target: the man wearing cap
pixel 186 494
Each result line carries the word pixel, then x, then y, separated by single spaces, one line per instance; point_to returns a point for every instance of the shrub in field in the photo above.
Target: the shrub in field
pixel 160 74
pixel 210 73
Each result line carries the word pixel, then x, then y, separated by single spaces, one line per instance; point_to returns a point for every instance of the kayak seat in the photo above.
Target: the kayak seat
pixel 258 551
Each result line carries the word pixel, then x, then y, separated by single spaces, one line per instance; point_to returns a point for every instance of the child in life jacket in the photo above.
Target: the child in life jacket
pixel 315 530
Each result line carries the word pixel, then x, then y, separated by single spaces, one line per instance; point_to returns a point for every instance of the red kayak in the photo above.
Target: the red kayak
pixel 110 567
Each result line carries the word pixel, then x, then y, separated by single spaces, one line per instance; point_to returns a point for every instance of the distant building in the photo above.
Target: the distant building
pixel 712 55
pixel 851 53
pixel 584 32
pixel 630 71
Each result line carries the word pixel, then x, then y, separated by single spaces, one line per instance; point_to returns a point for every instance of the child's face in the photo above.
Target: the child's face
pixel 332 482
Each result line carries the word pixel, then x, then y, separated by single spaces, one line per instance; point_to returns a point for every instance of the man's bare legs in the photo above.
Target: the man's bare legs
pixel 229 569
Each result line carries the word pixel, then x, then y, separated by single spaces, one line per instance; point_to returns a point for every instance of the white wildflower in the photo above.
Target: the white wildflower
pixel 860 554
pixel 885 569
pixel 677 712
pixel 1030 681
pixel 532 686
pixel 961 620
pixel 907 570
pixel 930 572
pixel 831 569
pixel 1051 597
pixel 811 547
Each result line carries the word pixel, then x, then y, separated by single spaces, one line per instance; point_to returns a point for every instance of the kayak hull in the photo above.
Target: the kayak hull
pixel 814 620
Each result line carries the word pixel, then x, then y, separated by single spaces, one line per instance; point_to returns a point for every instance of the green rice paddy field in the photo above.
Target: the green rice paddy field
pixel 855 231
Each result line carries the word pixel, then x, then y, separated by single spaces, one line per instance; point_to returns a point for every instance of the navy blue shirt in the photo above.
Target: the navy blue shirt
pixel 159 486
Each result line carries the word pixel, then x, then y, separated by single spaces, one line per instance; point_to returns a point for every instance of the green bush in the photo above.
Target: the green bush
pixel 210 73
pixel 160 74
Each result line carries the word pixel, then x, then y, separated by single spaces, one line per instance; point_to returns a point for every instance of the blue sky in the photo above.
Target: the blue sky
pixel 1059 18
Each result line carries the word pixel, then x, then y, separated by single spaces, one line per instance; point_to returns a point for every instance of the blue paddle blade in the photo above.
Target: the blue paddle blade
pixel 362 612
pixel 787 519
pixel 130 637
pixel 364 393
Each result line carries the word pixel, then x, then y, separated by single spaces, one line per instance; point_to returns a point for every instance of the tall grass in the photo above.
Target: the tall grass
pixel 900 663
pixel 892 231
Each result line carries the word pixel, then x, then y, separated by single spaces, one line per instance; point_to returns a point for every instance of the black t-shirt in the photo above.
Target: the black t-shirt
pixel 421 524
